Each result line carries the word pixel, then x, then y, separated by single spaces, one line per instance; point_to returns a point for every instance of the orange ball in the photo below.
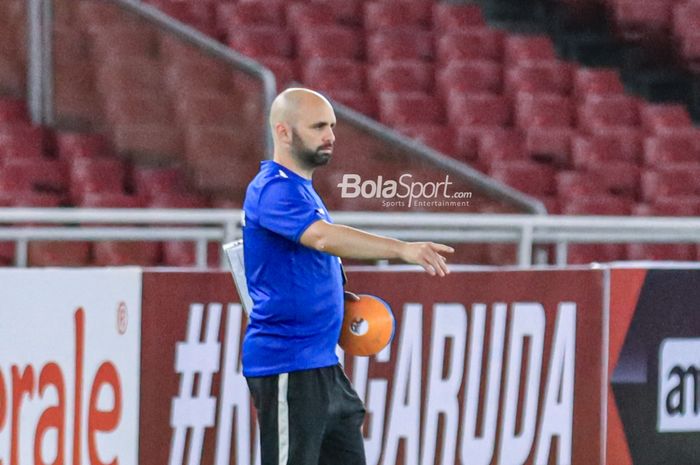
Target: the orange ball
pixel 368 326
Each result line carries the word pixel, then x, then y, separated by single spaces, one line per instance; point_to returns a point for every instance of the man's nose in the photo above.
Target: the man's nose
pixel 329 137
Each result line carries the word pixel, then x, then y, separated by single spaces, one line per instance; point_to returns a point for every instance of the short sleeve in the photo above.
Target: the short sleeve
pixel 286 209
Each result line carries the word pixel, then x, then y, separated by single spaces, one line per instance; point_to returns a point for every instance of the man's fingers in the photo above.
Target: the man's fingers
pixel 442 248
pixel 442 266
pixel 437 264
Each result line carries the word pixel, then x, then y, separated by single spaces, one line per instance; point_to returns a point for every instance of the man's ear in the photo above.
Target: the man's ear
pixel 284 132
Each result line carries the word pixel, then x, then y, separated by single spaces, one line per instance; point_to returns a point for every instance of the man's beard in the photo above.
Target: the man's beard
pixel 306 157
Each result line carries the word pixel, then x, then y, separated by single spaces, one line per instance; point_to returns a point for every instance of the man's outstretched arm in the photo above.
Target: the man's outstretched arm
pixel 347 242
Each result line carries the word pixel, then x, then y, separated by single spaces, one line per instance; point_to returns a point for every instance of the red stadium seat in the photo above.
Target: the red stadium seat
pixel 526 176
pixel 20 135
pixel 177 200
pixel 621 178
pixel 149 181
pixel 538 76
pixel 327 75
pixel 349 12
pixel 35 199
pixel 549 144
pixel 577 184
pixel 120 253
pixel 478 110
pixel 627 141
pixel 409 108
pixel 665 252
pixel 450 16
pixel 598 205
pixel 329 42
pixel 597 81
pixel 466 145
pixel 659 118
pixel 182 254
pixel 72 145
pixel 399 45
pixel 283 68
pixel 180 11
pixel 680 147
pixel 518 48
pixel 598 111
pixel 96 175
pixel 678 205
pixel 115 253
pixel 438 137
pixel 686 17
pixel 501 145
pixel 470 44
pixel 55 253
pixel 597 150
pixel 589 253
pixel 686 21
pixel 358 101
pixel 473 76
pixel 227 202
pixel 304 16
pixel 401 76
pixel 261 41
pixel 99 199
pixel 230 16
pixel 636 20
pixel 396 14
pixel 670 182
pixel 542 110
pixel 13 111
pixel 13 149
pixel 38 174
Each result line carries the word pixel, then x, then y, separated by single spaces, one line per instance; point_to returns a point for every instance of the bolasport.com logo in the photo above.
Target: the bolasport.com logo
pixel 404 192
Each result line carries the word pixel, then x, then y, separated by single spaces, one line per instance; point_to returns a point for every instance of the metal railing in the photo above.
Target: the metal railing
pixel 203 226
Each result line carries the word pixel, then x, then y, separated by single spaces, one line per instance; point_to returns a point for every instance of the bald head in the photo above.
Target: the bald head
pixel 292 103
pixel 302 123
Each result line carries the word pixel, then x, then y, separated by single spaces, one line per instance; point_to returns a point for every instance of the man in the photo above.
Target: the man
pixel 308 412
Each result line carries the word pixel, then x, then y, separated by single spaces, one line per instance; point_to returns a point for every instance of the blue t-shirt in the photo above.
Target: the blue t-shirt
pixel 297 292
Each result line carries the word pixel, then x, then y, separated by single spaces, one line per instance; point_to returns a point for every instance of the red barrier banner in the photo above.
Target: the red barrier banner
pixel 502 367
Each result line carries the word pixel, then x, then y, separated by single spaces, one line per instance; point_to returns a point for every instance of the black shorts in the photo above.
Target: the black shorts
pixel 309 417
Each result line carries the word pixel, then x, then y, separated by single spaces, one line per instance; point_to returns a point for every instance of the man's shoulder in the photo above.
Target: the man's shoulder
pixel 272 186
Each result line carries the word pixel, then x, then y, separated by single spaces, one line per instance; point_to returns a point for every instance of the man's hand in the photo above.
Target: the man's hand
pixel 351 296
pixel 428 255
